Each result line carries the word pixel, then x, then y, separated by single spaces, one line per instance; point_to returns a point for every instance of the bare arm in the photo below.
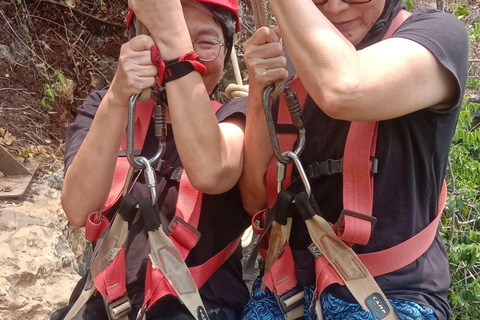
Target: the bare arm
pixel 89 178
pixel 386 80
pixel 211 153
pixel 265 64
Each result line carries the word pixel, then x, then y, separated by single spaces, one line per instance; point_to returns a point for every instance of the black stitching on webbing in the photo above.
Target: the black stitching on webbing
pixel 127 207
pixel 149 214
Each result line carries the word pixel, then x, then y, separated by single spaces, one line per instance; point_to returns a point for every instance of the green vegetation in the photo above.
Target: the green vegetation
pixel 461 220
pixel 49 89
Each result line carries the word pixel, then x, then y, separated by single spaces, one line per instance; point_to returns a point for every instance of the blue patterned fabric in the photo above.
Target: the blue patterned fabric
pixel 262 305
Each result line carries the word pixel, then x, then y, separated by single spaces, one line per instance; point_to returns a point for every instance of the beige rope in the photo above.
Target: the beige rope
pixel 237 89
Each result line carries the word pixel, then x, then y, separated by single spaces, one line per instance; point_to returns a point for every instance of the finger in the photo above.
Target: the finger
pixel 146 71
pixel 266 51
pixel 264 35
pixel 277 31
pixel 272 63
pixel 267 77
pixel 141 43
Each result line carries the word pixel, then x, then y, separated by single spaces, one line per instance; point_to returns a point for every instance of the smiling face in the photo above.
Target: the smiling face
pixel 202 25
pixel 352 20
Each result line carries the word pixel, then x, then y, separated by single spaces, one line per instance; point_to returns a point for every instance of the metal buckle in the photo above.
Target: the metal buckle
pixel 290 300
pixel 119 308
pixel 371 219
pixel 186 224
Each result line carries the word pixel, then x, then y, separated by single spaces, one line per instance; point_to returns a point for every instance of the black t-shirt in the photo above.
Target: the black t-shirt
pixel 412 153
pixel 222 217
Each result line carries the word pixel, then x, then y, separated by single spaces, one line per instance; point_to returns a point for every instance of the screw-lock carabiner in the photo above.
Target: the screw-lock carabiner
pixel 131 135
pixel 142 163
pixel 297 119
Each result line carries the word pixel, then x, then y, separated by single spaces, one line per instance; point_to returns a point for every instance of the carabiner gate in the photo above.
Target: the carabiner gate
pixel 297 119
pixel 142 163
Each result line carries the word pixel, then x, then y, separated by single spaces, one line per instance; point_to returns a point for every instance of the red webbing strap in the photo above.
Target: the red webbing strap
pixel 391 259
pixel 358 181
pixel 282 276
pixel 189 205
pixel 357 168
pixel 184 237
pixel 286 140
pixel 143 114
pixel 95 227
pixel 111 281
pixel 157 287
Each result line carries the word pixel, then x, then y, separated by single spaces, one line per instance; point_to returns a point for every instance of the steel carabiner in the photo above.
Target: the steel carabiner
pixel 142 163
pixel 131 136
pixel 297 119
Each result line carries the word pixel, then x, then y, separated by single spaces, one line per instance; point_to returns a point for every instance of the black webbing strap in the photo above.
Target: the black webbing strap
pixel 149 214
pixel 283 205
pixel 177 70
pixel 127 207
pixel 307 207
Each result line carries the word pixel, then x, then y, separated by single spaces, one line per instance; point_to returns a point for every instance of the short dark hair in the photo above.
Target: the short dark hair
pixel 228 22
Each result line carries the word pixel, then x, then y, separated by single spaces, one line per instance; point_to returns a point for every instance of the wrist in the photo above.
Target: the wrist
pixel 116 101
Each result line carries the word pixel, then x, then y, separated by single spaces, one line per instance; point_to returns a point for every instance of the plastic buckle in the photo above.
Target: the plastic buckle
pixel 171 226
pixel 371 219
pixel 334 166
pixel 290 300
pixel 119 308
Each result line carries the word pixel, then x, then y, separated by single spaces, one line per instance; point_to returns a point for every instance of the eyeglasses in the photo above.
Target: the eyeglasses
pixel 207 49
pixel 320 2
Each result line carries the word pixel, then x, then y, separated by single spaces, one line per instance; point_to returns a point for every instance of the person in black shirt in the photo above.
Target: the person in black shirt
pixel 412 83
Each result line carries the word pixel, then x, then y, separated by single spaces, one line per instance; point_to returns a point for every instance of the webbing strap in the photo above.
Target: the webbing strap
pixel 166 258
pixel 358 181
pixel 344 260
pixel 81 301
pixel 388 260
pixel 358 162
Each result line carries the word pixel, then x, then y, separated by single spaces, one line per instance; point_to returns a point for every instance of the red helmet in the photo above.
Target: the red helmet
pixel 231 5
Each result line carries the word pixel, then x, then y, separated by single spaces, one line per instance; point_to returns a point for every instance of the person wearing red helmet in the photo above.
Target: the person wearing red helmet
pixel 208 145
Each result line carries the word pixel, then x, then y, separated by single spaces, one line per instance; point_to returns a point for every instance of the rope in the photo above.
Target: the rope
pixel 238 89
pixel 141 29
pixel 260 14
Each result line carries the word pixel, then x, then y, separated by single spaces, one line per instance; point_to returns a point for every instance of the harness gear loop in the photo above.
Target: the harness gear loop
pixel 297 119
